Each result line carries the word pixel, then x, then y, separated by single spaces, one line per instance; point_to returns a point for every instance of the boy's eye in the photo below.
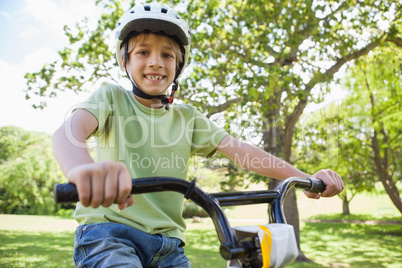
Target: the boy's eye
pixel 168 55
pixel 143 52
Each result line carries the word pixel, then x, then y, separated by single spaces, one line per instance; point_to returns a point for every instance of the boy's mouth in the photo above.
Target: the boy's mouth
pixel 154 77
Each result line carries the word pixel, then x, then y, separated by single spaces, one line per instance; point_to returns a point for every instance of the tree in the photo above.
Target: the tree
pixel 262 59
pixel 332 137
pixel 369 130
pixel 377 89
pixel 28 172
pixel 13 141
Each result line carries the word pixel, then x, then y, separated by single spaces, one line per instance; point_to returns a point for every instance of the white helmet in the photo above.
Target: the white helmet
pixel 156 18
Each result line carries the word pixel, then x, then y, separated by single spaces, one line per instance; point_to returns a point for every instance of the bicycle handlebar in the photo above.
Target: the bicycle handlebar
pixel 212 203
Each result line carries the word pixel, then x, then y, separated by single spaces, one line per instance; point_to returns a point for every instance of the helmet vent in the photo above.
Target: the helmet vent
pixel 147 8
pixel 132 11
pixel 164 10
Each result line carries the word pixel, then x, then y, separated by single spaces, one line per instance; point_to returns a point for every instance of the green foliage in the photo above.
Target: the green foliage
pixel 375 106
pixel 234 178
pixel 270 55
pixel 28 172
pixel 249 49
pixel 332 138
pixel 341 135
pixel 192 210
pixel 13 141
pixel 377 80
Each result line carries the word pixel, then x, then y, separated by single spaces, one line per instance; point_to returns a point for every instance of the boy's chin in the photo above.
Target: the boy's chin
pixel 154 92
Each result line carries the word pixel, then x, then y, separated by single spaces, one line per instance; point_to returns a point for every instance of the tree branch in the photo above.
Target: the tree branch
pixel 220 108
pixel 319 78
pixel 396 40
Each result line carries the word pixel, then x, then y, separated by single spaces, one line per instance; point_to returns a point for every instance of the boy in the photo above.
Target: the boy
pixel 140 134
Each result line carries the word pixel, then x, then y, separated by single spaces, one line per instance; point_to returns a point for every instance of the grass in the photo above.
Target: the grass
pixel 329 239
pixel 352 245
pixel 36 249
pixel 328 244
pixel 36 241
pixel 202 247
pixel 333 244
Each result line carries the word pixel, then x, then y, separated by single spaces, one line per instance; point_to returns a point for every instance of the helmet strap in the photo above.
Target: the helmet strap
pixel 138 92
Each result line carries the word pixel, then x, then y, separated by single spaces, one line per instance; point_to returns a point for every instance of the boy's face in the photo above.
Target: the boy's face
pixel 152 64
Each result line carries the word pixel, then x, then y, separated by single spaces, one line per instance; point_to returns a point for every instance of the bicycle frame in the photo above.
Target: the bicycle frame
pixel 212 203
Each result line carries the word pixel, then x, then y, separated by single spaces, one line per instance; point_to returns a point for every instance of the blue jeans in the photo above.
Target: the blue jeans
pixel 118 245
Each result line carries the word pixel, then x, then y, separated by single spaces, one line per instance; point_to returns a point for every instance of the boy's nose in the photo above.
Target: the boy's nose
pixel 155 62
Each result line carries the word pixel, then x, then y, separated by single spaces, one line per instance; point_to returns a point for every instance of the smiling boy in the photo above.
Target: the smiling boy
pixel 154 59
pixel 137 132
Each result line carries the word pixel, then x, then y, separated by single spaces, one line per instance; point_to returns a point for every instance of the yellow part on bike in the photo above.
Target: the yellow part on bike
pixel 266 247
pixel 278 247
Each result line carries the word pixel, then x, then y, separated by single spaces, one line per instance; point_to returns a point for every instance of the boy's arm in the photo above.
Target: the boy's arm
pixel 97 184
pixel 261 162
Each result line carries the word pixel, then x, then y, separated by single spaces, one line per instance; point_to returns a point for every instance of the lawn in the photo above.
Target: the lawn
pixel 36 249
pixel 352 244
pixel 330 240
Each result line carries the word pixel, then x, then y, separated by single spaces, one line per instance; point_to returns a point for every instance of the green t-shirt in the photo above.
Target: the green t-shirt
pixel 152 143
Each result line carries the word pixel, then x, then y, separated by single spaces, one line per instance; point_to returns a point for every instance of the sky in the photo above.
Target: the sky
pixel 31 35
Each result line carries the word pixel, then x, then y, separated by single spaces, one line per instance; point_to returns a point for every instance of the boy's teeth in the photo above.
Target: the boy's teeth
pixel 154 77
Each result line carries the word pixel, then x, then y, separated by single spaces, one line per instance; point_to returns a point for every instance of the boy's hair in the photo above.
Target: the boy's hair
pixel 138 38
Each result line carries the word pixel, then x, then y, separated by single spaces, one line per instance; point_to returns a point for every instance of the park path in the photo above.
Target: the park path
pixel 370 222
pixel 34 223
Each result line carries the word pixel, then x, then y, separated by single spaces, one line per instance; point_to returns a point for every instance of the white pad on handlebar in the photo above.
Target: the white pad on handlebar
pixel 278 243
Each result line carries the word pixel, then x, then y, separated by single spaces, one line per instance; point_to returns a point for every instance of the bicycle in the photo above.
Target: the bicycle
pixel 248 251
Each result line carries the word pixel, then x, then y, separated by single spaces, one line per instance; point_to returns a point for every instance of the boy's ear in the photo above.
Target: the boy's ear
pixel 122 62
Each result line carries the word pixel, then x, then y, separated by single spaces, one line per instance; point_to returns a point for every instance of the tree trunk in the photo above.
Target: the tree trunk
pixel 382 169
pixel 274 144
pixel 345 206
pixel 292 217
pixel 392 191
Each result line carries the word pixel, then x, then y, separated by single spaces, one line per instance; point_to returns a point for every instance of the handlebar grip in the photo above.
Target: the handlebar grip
pixel 64 193
pixel 317 186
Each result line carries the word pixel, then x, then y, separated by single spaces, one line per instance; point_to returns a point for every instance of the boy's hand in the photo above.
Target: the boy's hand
pixel 102 184
pixel 333 182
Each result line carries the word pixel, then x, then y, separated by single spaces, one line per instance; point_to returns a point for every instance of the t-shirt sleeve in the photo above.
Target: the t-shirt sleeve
pixel 100 105
pixel 206 136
